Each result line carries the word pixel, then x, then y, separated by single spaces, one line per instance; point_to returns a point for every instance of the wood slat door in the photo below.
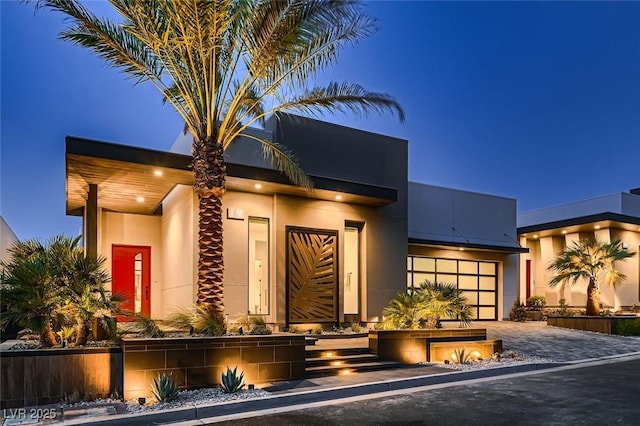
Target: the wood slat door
pixel 312 275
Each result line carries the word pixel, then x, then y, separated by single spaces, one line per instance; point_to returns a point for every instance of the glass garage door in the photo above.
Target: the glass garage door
pixel 477 279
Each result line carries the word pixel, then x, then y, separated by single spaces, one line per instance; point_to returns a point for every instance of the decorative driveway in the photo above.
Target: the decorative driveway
pixel 536 338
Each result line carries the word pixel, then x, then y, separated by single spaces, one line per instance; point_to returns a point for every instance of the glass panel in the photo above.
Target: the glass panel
pixel 474 313
pixel 419 278
pixel 472 297
pixel 446 265
pixel 487 268
pixel 137 283
pixel 447 278
pixel 467 282
pixel 258 266
pixel 409 279
pixel 409 259
pixel 488 298
pixel 466 267
pixel 351 275
pixel 487 283
pixel 424 264
pixel 487 313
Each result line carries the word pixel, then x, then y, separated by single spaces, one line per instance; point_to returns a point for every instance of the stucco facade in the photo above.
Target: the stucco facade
pixel 7 238
pixel 364 225
pixel 546 232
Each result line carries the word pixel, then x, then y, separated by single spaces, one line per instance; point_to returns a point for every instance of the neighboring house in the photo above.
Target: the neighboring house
pixel 7 238
pixel 546 232
pixel 337 254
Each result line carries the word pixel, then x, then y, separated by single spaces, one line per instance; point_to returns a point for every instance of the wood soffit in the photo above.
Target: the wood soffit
pixel 124 173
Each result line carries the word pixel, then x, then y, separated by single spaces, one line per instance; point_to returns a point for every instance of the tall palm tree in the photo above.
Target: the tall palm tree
pixel 225 65
pixel 593 261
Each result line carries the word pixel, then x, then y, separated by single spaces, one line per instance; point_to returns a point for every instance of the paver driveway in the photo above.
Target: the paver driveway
pixel 536 338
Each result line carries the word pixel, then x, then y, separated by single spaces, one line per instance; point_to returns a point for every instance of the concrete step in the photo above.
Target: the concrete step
pixel 330 370
pixel 344 359
pixel 333 353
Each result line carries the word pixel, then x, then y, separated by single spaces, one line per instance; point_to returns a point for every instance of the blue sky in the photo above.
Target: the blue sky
pixel 535 101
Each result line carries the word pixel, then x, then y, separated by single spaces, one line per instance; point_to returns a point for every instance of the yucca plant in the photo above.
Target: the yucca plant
pixel 231 382
pixel 460 356
pixel 164 387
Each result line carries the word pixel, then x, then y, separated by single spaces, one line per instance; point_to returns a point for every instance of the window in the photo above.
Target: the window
pixel 258 266
pixel 351 283
pixel 477 279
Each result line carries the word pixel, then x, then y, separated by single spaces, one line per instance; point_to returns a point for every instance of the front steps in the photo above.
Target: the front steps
pixel 329 362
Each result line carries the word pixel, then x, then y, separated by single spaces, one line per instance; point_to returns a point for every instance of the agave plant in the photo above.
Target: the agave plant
pixel 164 387
pixel 231 382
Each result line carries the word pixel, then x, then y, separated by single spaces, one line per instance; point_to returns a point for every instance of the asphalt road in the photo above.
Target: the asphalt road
pixel 600 395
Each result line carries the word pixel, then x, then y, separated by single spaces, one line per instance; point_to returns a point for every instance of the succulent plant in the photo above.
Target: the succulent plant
pixel 164 387
pixel 231 382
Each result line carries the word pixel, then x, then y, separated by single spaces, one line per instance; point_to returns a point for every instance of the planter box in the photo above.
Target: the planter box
pixel 598 324
pixel 441 351
pixel 200 362
pixel 44 376
pixel 414 346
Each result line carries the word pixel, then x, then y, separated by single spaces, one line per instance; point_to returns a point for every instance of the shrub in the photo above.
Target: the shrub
pixel 231 382
pixel 146 327
pixel 518 312
pixel 356 327
pixel 198 319
pixel 164 388
pixel 536 303
pixel 254 324
pixel 628 327
pixel 423 307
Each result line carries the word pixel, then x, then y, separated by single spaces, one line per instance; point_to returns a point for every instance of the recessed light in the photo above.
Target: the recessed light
pixel 564 232
pixel 461 249
pixel 158 172
pixel 257 186
pixel 339 197
pixel 535 236
pixel 140 199
pixel 597 227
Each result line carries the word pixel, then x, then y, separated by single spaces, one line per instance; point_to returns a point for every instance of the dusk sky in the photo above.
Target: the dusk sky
pixel 534 101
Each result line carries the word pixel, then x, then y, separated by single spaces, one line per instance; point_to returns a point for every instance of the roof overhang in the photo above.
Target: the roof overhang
pixel 508 249
pixel 136 180
pixel 583 224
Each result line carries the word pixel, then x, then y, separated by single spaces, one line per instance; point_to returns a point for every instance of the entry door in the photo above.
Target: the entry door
pixel 131 275
pixel 312 276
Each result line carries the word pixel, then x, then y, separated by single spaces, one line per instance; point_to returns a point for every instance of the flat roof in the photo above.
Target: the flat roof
pixel 125 173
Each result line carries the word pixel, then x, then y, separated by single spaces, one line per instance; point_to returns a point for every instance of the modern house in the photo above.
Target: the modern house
pixel 336 254
pixel 546 232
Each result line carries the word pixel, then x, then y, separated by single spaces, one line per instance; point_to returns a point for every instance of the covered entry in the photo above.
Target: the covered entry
pixel 312 276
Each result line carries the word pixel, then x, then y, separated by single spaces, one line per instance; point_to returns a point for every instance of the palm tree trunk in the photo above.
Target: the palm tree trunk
pixel 209 180
pixel 593 298
pixel 47 337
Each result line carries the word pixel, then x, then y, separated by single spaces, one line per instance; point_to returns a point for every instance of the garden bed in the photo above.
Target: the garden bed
pixel 414 346
pixel 598 324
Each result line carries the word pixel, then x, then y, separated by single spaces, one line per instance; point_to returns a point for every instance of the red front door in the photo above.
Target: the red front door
pixel 131 275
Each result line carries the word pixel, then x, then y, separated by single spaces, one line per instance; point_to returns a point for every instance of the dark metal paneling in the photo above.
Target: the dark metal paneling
pixel 312 275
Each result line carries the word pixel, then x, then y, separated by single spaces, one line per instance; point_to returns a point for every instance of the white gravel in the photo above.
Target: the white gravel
pixel 497 360
pixel 187 398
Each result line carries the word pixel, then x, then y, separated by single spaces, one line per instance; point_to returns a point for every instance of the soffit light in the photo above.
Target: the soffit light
pixel 257 186
pixel 564 232
pixel 158 173
pixel 597 227
pixel 339 197
pixel 140 199
pixel 535 236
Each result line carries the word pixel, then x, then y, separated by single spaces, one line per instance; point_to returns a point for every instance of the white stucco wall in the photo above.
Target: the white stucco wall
pixel 180 252
pixel 7 238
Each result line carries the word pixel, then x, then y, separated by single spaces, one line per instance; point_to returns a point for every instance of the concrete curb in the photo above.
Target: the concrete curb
pixel 303 397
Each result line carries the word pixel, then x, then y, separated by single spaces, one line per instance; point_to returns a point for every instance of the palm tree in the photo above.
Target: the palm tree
pixel 423 307
pixel 225 65
pixel 594 261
